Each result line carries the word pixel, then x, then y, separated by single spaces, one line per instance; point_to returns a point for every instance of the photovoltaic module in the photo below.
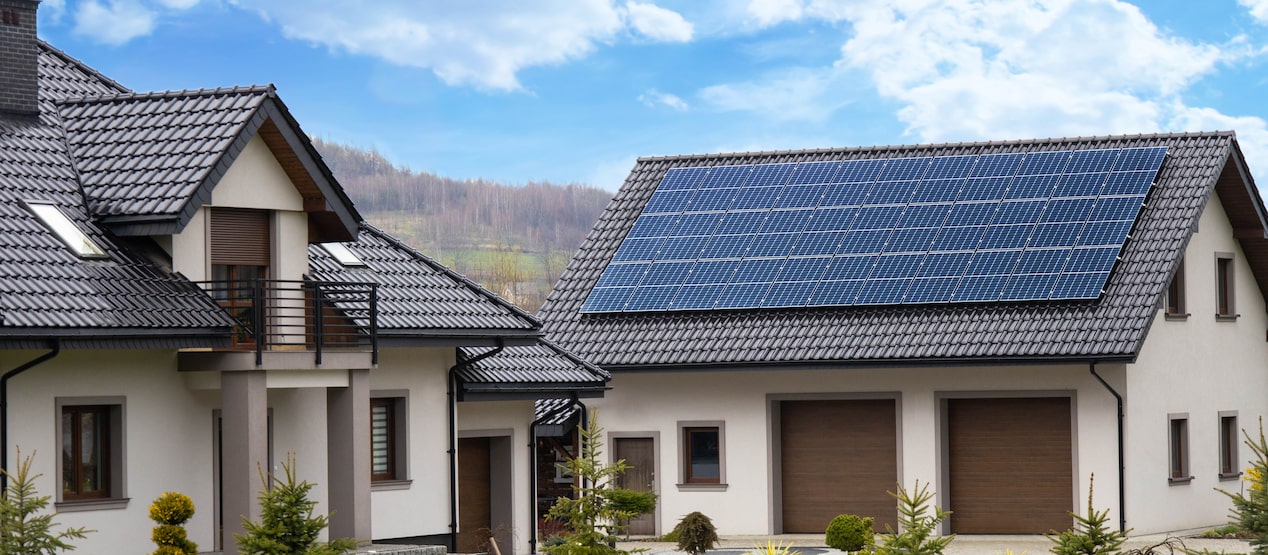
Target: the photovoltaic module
pixel 941 229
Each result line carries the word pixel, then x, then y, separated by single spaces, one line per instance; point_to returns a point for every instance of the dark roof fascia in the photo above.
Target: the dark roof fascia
pixel 1239 161
pixel 418 255
pixel 856 364
pixel 454 338
pixel 116 339
pixel 509 393
pixel 81 66
pixel 314 164
pixel 142 226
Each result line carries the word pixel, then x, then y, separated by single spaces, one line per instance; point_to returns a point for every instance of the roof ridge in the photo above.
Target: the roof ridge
pixel 367 226
pixel 81 65
pixel 963 144
pixel 268 90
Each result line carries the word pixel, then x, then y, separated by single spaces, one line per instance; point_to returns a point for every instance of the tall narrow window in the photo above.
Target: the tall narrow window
pixel 1229 465
pixel 702 449
pixel 239 246
pixel 1225 301
pixel 388 463
pixel 1175 294
pixel 86 456
pixel 1178 441
pixel 382 439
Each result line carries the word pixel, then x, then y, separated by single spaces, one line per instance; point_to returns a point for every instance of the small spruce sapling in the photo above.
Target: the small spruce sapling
pixel 1090 534
pixel 917 535
pixel 287 523
pixel 696 533
pixel 22 528
pixel 1250 511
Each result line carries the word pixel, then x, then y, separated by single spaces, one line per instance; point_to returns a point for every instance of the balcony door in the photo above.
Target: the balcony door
pixel 239 243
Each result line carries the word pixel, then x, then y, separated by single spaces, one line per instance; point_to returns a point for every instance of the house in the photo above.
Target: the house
pixel 188 297
pixel 793 333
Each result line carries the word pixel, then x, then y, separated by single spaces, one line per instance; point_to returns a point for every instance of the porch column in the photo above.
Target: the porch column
pixel 348 445
pixel 244 448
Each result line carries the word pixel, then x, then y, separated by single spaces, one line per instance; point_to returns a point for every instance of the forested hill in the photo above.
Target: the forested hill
pixel 514 239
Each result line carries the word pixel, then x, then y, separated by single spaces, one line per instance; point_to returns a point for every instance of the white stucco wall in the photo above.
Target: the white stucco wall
pixel 422 509
pixel 506 419
pixel 1198 366
pixel 656 402
pixel 168 435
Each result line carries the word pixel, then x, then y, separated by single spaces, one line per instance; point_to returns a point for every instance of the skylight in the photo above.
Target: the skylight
pixel 342 254
pixel 66 230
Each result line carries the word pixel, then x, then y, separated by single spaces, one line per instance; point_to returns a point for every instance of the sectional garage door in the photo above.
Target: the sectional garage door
pixel 1010 465
pixel 837 456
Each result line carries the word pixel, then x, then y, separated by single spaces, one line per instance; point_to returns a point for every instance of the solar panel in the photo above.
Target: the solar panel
pixel 946 229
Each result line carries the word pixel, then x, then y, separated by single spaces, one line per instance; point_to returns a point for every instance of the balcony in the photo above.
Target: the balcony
pixel 283 318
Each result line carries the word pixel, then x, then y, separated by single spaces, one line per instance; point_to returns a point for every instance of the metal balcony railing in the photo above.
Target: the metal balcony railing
pixel 290 315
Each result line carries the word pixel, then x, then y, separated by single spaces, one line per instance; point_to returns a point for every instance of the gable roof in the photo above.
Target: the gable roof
pixel 1110 328
pixel 149 161
pixel 535 371
pixel 421 300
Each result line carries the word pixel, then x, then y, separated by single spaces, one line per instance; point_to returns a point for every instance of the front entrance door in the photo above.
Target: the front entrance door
pixel 639 454
pixel 475 516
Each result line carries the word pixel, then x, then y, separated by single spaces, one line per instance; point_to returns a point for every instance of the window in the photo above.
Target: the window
pixel 1178 439
pixel 1225 306
pixel 90 436
pixel 66 230
pixel 239 247
pixel 703 449
pixel 1229 465
pixel 343 254
pixel 387 437
pixel 1175 295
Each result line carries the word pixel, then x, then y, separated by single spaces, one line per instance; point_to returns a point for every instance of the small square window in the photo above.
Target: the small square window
pixel 1229 465
pixel 1225 299
pixel 1175 295
pixel 703 454
pixel 66 230
pixel 387 439
pixel 1178 442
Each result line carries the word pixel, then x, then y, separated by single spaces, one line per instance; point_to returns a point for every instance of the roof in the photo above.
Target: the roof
pixel 541 370
pixel 1112 327
pixel 149 161
pixel 420 299
pixel 45 288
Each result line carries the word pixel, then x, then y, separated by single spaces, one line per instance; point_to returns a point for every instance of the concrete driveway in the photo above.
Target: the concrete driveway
pixel 812 544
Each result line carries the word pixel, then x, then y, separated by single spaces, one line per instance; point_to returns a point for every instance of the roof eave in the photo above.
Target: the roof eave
pixel 122 338
pixel 957 362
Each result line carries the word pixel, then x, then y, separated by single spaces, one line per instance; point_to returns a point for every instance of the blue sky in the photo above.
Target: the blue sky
pixel 575 90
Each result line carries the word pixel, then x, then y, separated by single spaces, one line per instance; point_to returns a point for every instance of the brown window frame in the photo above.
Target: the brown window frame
pixel 1178 449
pixel 396 403
pixel 1175 307
pixel 1230 466
pixel 688 456
pixel 1225 287
pixel 72 489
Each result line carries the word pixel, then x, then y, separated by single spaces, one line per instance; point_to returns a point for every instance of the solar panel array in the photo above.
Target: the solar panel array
pixel 980 228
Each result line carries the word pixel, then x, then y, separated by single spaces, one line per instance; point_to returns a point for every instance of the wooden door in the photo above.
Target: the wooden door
pixel 1010 465
pixel 474 495
pixel 837 457
pixel 639 453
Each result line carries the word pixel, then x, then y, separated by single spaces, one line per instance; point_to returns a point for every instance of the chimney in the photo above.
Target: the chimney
pixel 19 58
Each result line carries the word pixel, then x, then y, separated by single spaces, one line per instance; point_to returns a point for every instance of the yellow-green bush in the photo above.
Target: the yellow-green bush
pixel 171 510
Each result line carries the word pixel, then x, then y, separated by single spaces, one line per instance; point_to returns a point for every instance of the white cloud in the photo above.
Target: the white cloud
pixel 483 44
pixel 610 175
pixel 1258 9
pixel 793 95
pixel 657 23
pixel 771 12
pixel 653 98
pixel 115 23
pixel 1252 132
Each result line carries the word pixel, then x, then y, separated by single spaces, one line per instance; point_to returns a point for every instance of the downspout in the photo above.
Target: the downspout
pixel 1122 473
pixel 453 439
pixel 4 407
pixel 532 469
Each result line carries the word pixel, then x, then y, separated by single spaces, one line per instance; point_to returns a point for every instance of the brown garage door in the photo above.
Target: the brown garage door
pixel 837 457
pixel 1009 462
pixel 474 500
